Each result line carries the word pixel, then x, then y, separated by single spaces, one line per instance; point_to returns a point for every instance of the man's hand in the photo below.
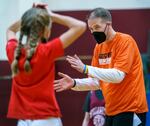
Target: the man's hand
pixel 64 83
pixel 76 63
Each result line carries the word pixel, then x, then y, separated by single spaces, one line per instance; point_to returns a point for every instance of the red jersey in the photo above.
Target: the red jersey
pixel 33 95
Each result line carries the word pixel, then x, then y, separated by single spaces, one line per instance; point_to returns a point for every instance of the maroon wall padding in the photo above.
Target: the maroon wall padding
pixel 134 22
pixel 5 90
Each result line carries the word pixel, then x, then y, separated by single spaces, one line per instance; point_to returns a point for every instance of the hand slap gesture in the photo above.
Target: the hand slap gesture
pixel 76 63
pixel 64 83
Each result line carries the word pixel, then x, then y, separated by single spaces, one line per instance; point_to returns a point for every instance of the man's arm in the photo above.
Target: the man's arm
pixel 110 75
pixel 66 82
pixel 86 84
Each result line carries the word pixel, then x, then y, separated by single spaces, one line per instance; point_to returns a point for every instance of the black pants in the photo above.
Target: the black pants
pixel 124 119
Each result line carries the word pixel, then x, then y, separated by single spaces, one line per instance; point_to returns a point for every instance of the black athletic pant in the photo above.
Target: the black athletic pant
pixel 124 119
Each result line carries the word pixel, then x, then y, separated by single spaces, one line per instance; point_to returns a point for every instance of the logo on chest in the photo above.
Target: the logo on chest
pixel 105 58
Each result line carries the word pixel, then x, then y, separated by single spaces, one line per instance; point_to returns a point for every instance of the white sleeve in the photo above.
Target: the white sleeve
pixel 107 75
pixel 86 84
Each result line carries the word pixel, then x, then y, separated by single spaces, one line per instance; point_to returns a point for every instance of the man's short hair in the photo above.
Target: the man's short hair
pixel 100 13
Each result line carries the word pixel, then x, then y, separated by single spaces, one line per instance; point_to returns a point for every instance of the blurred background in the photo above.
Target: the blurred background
pixel 129 16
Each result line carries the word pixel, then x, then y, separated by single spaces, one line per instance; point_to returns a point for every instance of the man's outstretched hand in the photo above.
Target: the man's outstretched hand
pixel 76 63
pixel 64 83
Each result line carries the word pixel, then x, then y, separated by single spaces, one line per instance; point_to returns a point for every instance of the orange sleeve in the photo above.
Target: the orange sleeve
pixel 124 55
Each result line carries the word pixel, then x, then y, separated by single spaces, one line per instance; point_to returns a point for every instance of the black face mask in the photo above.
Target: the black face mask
pixel 99 36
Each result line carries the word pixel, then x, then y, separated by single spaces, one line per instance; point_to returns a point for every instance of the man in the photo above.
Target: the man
pixel 116 69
